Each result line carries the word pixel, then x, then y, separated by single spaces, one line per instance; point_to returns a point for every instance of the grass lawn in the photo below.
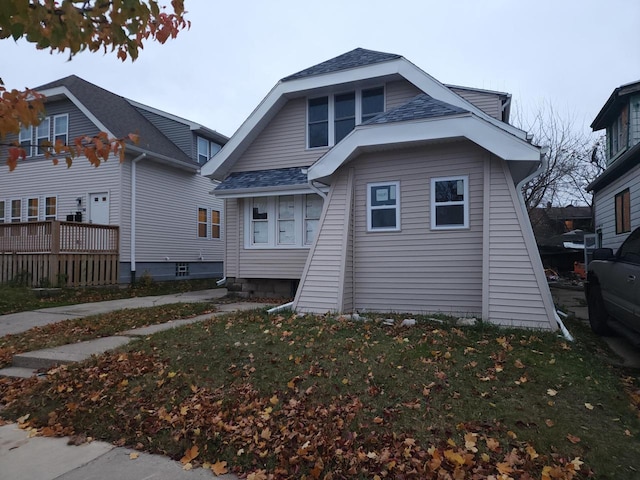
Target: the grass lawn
pixel 324 398
pixel 14 298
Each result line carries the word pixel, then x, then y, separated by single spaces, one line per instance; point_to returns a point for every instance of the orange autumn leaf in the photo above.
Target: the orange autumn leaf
pixel 219 468
pixel 573 439
pixel 189 455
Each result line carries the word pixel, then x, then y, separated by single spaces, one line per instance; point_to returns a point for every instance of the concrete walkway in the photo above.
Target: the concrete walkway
pixel 39 458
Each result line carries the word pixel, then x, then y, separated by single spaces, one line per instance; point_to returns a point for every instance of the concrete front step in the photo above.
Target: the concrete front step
pixel 65 354
pixel 17 372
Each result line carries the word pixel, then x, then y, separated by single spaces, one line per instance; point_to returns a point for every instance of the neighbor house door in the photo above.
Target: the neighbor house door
pixel 99 208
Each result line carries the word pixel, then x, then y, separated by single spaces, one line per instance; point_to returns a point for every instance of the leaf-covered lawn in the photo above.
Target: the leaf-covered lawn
pixel 95 326
pixel 324 398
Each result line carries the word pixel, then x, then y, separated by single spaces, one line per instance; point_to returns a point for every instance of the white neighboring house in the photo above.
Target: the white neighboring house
pixel 364 184
pixel 616 191
pixel 170 225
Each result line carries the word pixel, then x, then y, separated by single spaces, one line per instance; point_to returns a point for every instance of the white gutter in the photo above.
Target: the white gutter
pixel 280 308
pixel 133 215
pixel 313 187
pixel 543 165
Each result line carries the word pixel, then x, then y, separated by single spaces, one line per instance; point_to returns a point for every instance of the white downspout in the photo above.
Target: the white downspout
pixel 313 187
pixel 133 216
pixel 543 165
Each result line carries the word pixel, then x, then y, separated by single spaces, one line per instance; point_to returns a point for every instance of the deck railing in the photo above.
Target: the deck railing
pixel 54 253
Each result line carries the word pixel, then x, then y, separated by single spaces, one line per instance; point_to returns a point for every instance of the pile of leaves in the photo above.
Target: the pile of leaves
pixel 323 398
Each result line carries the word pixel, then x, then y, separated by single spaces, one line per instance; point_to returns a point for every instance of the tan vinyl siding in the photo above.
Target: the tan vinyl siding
pixel 166 217
pixel 515 295
pixel 282 143
pixel 399 92
pixel 321 286
pixel 418 269
pixel 489 103
pixel 232 208
pixel 605 212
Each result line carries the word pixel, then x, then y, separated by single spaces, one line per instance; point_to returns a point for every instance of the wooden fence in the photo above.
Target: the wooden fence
pixel 53 253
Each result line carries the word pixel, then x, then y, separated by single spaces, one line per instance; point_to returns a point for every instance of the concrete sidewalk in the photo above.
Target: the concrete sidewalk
pixel 39 458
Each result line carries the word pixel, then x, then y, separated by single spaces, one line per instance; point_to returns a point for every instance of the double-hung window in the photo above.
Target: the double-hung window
pixel 61 129
pixel 330 118
pixel 202 222
pixel 450 202
pixel 16 210
pixel 208 223
pixel 50 208
pixel 33 209
pixel 43 136
pixel 286 221
pixel 215 223
pixel 623 211
pixel 383 206
pixel 25 140
pixel 3 218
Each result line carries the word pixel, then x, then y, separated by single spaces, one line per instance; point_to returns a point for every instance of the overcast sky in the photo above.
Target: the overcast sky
pixel 572 53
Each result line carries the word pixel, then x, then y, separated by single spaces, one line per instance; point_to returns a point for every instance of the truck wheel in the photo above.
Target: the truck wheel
pixel 598 315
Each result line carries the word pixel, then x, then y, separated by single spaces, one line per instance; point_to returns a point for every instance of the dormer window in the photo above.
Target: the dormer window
pixel 206 150
pixel 332 117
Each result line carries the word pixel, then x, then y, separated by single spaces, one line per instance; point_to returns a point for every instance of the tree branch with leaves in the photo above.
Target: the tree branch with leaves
pixel 121 26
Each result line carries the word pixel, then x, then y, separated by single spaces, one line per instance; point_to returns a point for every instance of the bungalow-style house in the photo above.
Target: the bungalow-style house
pixel 170 227
pixel 364 184
pixel 616 191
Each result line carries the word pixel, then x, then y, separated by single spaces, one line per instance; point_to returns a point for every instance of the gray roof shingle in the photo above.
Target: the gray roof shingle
pixel 119 116
pixel 419 107
pixel 279 177
pixel 355 58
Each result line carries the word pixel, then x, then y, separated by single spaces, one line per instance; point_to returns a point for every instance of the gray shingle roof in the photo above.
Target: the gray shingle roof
pixel 419 107
pixel 119 116
pixel 355 58
pixel 279 177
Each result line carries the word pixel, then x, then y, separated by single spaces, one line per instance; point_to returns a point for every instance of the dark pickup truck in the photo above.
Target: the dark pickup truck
pixel 613 290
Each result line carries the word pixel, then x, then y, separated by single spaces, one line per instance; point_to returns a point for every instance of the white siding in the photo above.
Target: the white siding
pixel 322 286
pixel 489 103
pixel 518 294
pixel 167 202
pixel 605 214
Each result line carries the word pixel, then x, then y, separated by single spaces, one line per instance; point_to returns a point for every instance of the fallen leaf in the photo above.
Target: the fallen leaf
pixel 573 439
pixel 551 392
pixel 133 455
pixel 219 468
pixel 189 455
pixel 549 422
pixel 588 406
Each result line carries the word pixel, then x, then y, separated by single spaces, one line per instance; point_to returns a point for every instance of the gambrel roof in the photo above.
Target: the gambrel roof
pixel 360 65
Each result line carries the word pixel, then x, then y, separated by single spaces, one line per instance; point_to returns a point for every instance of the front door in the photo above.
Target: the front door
pixel 99 208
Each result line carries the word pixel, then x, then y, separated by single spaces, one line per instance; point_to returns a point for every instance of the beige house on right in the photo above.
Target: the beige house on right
pixel 616 192
pixel 364 184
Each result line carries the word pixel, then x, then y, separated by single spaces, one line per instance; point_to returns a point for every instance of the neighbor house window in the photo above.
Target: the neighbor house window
pixel 43 136
pixel 202 223
pixel 215 223
pixel 332 117
pixel 287 221
pixel 61 129
pixel 623 211
pixel 25 140
pixel 182 269
pixel 2 211
pixel 206 150
pixel 16 210
pixel 50 208
pixel 450 202
pixel 383 206
pixel 33 209
pixel 619 132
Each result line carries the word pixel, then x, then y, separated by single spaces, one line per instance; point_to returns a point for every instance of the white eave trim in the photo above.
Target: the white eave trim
pixel 262 191
pixel 220 165
pixel 480 132
pixel 56 91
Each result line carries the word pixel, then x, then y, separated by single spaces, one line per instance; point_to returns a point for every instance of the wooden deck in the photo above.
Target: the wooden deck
pixel 54 253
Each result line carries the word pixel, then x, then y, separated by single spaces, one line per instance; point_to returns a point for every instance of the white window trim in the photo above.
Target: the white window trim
pixel 36 217
pixel 331 112
pixel 211 224
pixel 56 120
pixel 370 208
pixel 272 224
pixel 44 211
pixel 465 202
pixel 205 222
pixel 11 217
